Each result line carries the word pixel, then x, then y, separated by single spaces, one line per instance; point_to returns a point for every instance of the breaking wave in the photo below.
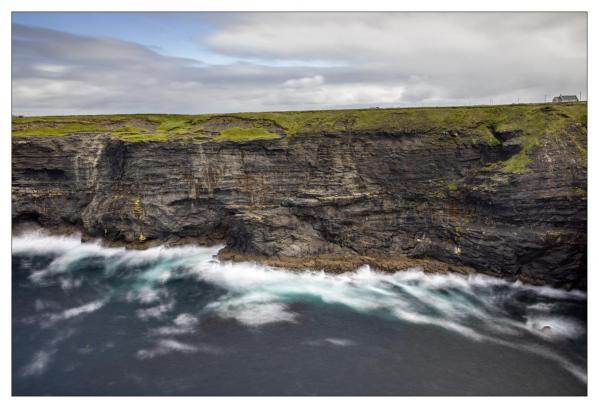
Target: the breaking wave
pixel 478 307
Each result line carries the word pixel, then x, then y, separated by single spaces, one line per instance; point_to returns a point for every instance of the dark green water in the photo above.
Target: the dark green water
pixel 89 320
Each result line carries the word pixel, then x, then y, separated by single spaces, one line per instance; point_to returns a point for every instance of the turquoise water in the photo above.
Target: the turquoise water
pixel 89 320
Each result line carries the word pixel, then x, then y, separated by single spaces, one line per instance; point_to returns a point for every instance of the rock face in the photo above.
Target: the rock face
pixel 510 206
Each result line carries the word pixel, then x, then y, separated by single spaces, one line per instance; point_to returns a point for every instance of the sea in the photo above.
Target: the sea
pixel 92 320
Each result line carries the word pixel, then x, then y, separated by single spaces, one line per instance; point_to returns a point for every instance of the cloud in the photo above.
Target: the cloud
pixel 409 38
pixel 305 82
pixel 307 61
pixel 435 56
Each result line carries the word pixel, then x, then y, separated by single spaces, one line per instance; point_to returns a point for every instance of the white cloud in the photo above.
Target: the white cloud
pixel 54 69
pixel 374 59
pixel 408 38
pixel 305 82
pixel 338 95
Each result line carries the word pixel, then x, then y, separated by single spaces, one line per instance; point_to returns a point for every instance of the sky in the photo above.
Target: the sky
pixel 94 63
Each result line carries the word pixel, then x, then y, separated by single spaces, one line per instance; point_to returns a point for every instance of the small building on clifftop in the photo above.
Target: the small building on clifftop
pixel 565 98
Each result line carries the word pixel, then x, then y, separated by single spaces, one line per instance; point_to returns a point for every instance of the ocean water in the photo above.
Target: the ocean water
pixel 89 320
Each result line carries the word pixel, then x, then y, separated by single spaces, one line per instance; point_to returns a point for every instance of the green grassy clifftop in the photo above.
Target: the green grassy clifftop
pixel 528 124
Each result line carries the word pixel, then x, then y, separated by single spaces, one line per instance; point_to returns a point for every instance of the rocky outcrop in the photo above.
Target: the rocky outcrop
pixel 436 194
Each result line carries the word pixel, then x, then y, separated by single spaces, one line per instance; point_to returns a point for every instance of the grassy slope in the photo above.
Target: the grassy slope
pixel 237 134
pixel 535 120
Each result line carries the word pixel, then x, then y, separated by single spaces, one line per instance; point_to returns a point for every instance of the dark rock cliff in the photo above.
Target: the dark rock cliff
pixel 509 205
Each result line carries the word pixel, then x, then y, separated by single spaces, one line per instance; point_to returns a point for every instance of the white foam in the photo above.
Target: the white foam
pixel 446 324
pixel 39 363
pixel 38 242
pixel 69 283
pixel 258 314
pixel 50 319
pixel 156 312
pixel 555 293
pixel 553 327
pixel 258 294
pixel 147 295
pixel 255 295
pixel 184 323
pixel 166 346
pixel 42 305
pixel 71 250
pixel 340 342
pixel 86 308
pixel 541 307
pixel 331 341
pixel 170 331
pixel 186 320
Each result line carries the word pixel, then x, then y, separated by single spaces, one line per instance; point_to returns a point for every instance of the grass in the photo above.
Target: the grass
pixel 60 130
pixel 476 123
pixel 237 134
pixel 488 136
pixel 537 125
pixel 518 163
pixel 476 119
pixel 143 137
pixel 581 149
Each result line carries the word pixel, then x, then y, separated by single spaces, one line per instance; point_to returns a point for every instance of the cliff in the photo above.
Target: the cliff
pixel 501 189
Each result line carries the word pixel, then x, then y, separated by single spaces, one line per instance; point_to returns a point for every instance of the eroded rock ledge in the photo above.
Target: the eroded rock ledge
pixel 503 193
pixel 339 264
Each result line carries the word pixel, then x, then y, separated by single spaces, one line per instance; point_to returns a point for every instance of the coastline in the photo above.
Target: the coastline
pixel 329 263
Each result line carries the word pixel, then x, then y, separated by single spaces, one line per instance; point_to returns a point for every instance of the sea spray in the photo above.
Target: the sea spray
pixel 541 320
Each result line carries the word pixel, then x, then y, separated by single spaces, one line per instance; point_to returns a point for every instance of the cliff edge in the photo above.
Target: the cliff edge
pixel 497 189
